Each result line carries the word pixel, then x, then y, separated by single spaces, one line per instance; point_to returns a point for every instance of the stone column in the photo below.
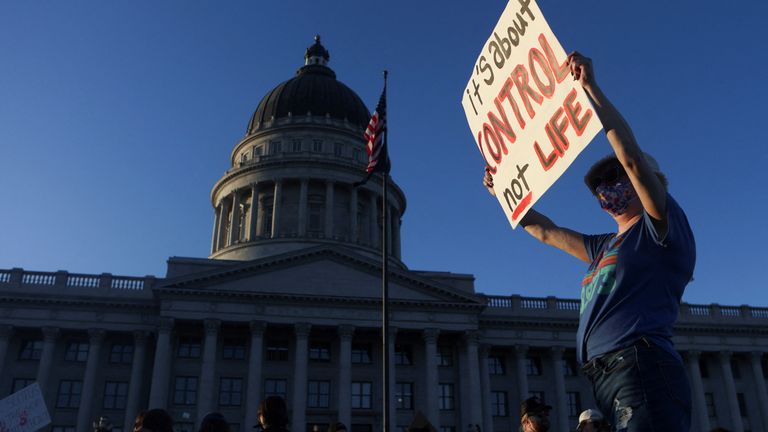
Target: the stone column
pixel 300 376
pixel 216 221
pixel 276 198
pixel 472 339
pixel 234 225
pixel 223 211
pixel 373 225
pixel 431 383
pixel 137 378
pixel 346 333
pixel 485 386
pixel 303 191
pixel 96 337
pixel 253 220
pixel 697 388
pixel 561 401
pixel 253 394
pixel 208 370
pixel 395 224
pixel 353 216
pixel 730 391
pixel 522 373
pixel 756 359
pixel 392 379
pixel 50 335
pixel 5 335
pixel 161 370
pixel 329 212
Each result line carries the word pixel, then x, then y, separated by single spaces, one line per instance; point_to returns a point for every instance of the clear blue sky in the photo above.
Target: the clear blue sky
pixel 116 119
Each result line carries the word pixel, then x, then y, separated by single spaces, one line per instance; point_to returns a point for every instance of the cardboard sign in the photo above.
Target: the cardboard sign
pixel 24 411
pixel 529 117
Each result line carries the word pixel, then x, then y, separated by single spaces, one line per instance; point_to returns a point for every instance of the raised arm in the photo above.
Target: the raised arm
pixel 544 230
pixel 649 188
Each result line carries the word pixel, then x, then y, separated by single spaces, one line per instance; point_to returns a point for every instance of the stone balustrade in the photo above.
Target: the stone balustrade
pixel 17 277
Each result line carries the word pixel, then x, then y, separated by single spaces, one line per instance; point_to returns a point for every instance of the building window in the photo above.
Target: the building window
pixel 31 350
pixel 243 158
pixel 275 147
pixel 338 149
pixel 356 154
pixel 20 383
pixel 533 366
pixel 258 150
pixel 703 369
pixel 444 356
pixel 404 395
pixel 185 391
pixel 316 210
pixel 361 354
pixel 277 350
pixel 446 396
pixel 709 398
pixel 188 348
pixel 60 428
pixel 230 391
pixel 266 218
pixel 115 394
pixel 537 394
pixel 121 354
pixel 320 351
pixel 233 349
pixel 574 403
pixel 296 145
pixel 275 387
pixel 570 367
pixel 69 394
pixel 742 404
pixel 318 394
pixel 317 146
pixel 403 355
pixel 499 404
pixel 496 365
pixel 76 351
pixel 361 395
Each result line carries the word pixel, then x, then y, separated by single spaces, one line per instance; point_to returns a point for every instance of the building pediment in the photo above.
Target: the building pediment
pixel 324 273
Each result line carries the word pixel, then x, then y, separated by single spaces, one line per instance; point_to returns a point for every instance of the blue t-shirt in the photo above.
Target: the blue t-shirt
pixel 634 285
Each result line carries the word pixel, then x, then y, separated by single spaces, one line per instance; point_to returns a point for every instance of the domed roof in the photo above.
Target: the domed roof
pixel 315 90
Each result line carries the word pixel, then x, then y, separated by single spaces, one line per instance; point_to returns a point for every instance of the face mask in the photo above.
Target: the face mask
pixel 615 198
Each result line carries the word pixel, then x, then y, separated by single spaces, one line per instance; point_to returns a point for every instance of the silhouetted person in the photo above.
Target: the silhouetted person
pixel 155 420
pixel 214 422
pixel 534 415
pixel 273 414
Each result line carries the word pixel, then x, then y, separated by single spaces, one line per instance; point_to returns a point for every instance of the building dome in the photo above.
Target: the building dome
pixel 314 90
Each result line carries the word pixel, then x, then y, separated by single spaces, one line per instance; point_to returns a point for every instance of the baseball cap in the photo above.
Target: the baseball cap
pixel 593 414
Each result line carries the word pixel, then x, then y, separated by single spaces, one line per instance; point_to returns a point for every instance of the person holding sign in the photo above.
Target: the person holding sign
pixel 631 293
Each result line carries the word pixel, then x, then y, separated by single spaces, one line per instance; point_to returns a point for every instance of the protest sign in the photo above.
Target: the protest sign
pixel 529 117
pixel 24 411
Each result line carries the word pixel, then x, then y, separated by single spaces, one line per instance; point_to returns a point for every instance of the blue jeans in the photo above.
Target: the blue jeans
pixel 642 388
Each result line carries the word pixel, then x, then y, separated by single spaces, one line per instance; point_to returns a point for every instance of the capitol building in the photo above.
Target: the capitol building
pixel 289 303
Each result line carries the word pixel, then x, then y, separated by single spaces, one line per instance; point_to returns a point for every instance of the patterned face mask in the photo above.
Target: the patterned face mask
pixel 615 198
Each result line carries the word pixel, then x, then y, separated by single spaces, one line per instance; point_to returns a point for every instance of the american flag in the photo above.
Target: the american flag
pixel 376 146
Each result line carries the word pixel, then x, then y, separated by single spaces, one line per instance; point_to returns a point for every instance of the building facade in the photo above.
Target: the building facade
pixel 288 303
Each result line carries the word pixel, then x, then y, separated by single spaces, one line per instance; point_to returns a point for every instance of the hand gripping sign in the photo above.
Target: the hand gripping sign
pixel 529 118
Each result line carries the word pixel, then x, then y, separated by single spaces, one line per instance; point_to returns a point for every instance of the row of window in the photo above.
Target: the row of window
pixel 296 146
pixel 235 349
pixel 76 351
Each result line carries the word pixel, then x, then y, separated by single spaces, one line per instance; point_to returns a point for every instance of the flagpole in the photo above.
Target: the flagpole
pixel 385 281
